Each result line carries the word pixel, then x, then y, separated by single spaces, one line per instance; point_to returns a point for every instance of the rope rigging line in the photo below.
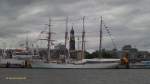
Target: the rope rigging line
pixel 110 35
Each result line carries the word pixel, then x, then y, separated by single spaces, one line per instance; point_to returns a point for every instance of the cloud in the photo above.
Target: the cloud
pixel 128 20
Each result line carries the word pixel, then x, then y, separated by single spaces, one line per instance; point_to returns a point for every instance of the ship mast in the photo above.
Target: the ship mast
pixel 78 43
pixel 27 43
pixel 66 33
pixel 83 40
pixel 49 41
pixel 66 40
pixel 100 39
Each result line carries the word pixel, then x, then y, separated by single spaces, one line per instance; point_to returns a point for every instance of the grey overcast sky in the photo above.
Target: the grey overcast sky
pixel 129 20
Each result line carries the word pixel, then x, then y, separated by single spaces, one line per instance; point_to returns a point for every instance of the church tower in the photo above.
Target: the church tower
pixel 72 44
pixel 72 40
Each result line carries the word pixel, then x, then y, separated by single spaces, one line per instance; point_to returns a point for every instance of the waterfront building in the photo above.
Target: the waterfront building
pixel 134 53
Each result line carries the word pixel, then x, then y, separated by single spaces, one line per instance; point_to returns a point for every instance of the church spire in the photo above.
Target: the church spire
pixel 72 31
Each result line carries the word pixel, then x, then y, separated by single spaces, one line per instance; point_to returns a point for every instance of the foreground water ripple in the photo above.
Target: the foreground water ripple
pixel 74 76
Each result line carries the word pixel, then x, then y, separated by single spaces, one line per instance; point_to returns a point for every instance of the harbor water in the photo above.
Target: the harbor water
pixel 74 76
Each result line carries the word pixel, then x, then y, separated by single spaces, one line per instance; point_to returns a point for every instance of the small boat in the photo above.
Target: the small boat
pixel 11 63
pixel 18 60
pixel 140 65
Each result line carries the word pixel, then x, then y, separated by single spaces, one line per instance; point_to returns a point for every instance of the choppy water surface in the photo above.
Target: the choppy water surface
pixel 74 76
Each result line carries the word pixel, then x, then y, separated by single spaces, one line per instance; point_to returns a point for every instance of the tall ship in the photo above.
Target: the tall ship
pixel 74 58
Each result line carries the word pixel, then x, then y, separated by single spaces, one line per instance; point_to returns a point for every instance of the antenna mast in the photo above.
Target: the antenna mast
pixel 100 39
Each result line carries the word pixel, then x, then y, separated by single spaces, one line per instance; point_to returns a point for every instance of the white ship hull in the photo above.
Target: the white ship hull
pixel 54 65
pixel 86 63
